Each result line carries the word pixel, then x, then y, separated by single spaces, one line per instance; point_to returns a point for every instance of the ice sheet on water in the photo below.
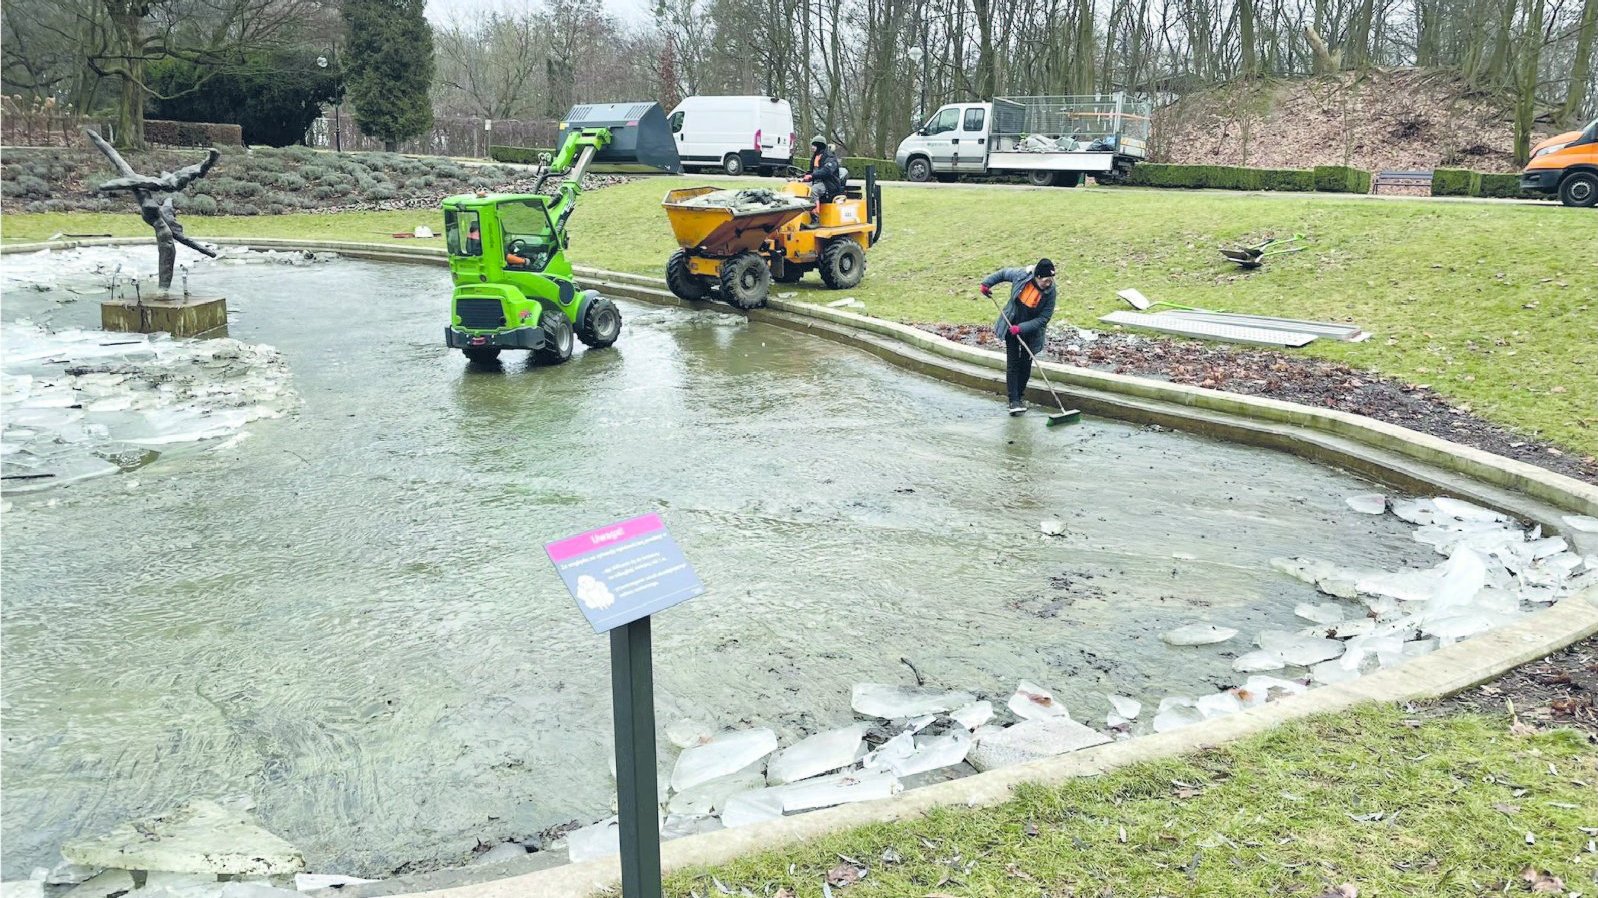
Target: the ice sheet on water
pixel 817 754
pixel 1197 634
pixel 1033 702
pixel 1371 503
pixel 723 755
pixel 895 702
pixel 1307 569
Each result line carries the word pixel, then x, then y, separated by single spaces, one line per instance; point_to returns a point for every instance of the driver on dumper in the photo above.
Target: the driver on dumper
pixel 825 176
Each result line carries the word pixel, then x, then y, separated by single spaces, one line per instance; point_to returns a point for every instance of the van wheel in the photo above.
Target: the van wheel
pixel 745 280
pixel 733 164
pixel 919 170
pixel 1579 189
pixel 1040 178
pixel 843 264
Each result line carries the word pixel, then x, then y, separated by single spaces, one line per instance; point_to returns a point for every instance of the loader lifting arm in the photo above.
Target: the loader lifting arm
pixel 575 155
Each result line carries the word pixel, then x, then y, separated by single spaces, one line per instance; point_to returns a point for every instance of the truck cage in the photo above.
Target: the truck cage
pixel 1112 122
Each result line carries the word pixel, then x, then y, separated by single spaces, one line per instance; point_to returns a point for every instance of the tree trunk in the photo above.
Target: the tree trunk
pixel 1526 106
pixel 1580 68
pixel 391 146
pixel 1500 68
pixel 1245 20
pixel 1325 62
pixel 127 30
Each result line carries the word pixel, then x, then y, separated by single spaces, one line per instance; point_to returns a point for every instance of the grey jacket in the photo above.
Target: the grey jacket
pixel 1032 322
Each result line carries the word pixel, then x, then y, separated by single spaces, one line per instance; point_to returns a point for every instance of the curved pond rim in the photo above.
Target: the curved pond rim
pixel 1396 456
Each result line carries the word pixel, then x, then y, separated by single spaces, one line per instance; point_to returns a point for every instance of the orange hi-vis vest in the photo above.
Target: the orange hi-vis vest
pixel 1030 295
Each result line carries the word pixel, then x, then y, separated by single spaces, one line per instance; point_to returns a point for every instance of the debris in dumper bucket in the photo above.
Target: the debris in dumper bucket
pixel 757 199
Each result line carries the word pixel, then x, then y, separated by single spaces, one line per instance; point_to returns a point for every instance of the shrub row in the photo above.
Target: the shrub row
pixel 887 169
pixel 1341 179
pixel 1220 177
pixel 192 134
pixel 518 155
pixel 1462 182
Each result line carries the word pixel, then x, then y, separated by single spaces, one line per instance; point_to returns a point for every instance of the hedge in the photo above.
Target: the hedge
pixel 1341 179
pixel 192 134
pixel 887 169
pixel 519 155
pixel 1451 182
pixel 1220 177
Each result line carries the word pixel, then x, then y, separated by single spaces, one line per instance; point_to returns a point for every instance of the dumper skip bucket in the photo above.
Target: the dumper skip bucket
pixel 640 139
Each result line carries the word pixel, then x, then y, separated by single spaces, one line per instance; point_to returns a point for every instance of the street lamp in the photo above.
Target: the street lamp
pixel 916 54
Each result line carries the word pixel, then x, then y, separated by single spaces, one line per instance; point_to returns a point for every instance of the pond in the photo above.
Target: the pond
pixel 348 617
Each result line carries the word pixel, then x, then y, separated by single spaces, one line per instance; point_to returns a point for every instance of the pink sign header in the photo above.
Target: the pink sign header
pixel 604 537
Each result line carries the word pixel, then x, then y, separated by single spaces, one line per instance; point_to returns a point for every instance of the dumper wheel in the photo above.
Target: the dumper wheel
pixel 482 355
pixel 557 338
pixel 843 264
pixel 683 282
pixel 745 281
pixel 601 324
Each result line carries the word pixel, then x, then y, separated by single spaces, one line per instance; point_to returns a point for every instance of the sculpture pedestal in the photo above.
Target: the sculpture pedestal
pixel 179 316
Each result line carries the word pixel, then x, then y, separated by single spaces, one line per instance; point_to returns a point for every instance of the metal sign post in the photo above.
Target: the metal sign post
pixel 620 575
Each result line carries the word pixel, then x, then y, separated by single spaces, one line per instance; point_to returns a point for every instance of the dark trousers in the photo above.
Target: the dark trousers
pixel 1017 368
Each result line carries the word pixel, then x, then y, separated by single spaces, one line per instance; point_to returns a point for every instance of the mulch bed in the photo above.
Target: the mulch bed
pixel 1301 379
pixel 1559 690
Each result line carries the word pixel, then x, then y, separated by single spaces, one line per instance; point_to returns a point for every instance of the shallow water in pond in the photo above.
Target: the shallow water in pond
pixel 349 617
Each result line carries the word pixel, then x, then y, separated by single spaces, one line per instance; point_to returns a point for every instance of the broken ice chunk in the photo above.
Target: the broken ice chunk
pixel 1254 662
pixel 1463 575
pixel 1347 629
pixel 1342 585
pixel 1581 522
pixel 1419 647
pixel 1031 740
pixel 1198 634
pixel 1328 673
pixel 1052 527
pixel 817 754
pixel 711 796
pixel 590 842
pixel 1406 586
pixel 1420 512
pixel 894 702
pixel 1176 712
pixel 1319 614
pixel 933 753
pixel 1300 651
pixel 307 882
pixel 1126 707
pixel 1217 705
pixel 1032 702
pixel 725 754
pixel 1269 687
pixel 973 715
pixel 678 826
pixel 1307 569
pixel 842 788
pixel 1465 511
pixel 689 732
pixel 752 807
pixel 1371 503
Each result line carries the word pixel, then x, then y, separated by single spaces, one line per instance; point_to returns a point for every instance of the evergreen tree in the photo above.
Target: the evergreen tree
pixel 274 96
pixel 389 68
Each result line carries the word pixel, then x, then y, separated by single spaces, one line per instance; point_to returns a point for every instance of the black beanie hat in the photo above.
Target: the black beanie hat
pixel 1044 269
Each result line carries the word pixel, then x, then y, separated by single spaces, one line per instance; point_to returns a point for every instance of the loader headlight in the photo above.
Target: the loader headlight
pixel 1553 147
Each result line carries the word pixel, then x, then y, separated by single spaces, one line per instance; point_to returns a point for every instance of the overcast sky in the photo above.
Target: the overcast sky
pixel 440 11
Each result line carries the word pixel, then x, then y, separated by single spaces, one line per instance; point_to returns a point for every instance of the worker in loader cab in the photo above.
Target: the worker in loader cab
pixel 1023 320
pixel 826 177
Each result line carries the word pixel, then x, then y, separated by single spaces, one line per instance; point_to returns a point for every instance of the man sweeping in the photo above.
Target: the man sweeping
pixel 1024 319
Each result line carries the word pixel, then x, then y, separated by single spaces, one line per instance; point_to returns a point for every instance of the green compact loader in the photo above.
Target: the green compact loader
pixel 507 252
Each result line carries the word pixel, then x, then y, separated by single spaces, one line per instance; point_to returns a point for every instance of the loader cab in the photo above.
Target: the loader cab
pixel 496 238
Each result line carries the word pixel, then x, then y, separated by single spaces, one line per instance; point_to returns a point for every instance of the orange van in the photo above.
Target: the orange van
pixel 1566 165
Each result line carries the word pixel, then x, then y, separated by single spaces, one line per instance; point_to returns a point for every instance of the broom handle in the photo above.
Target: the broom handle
pixel 1006 319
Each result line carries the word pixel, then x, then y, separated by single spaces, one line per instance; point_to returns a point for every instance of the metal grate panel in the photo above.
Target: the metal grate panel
pixel 480 314
pixel 1209 330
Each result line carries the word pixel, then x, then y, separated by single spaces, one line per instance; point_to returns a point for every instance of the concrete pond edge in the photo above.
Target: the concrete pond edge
pixel 1389 453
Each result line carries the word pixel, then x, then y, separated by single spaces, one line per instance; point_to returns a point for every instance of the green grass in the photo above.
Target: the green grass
pixel 1492 305
pixel 1268 816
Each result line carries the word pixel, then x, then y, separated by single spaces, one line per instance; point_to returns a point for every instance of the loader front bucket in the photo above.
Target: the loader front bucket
pixel 640 139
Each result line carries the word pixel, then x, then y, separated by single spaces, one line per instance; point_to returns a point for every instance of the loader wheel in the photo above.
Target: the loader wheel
pixel 482 355
pixel 684 283
pixel 1579 189
pixel 745 281
pixel 557 338
pixel 733 165
pixel 843 264
pixel 601 326
pixel 919 170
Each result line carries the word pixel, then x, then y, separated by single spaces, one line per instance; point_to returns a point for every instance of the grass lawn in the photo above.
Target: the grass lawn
pixel 1493 305
pixel 1450 806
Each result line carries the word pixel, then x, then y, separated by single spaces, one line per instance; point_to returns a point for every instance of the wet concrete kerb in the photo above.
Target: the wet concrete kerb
pixel 1385 452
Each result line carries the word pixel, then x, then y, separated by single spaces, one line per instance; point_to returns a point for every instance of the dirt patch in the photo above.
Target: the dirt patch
pixel 1377 120
pixel 1561 690
pixel 1308 381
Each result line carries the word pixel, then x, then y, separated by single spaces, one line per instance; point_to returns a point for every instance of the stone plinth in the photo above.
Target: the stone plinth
pixel 180 316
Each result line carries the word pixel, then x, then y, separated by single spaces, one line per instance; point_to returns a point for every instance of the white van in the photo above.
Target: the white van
pixel 734 134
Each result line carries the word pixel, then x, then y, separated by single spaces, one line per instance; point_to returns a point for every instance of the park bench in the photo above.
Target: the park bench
pixel 1401 179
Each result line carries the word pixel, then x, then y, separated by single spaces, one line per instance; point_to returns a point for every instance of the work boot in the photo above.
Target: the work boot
pixel 1017 407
